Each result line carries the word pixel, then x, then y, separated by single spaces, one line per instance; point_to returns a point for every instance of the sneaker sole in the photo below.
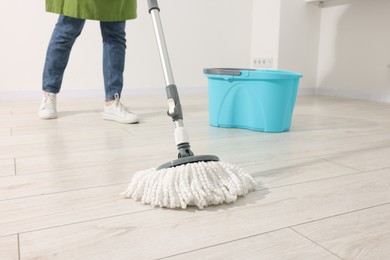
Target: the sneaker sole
pixel 47 116
pixel 123 121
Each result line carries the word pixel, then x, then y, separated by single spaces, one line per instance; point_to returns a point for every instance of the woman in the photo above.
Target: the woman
pixel 112 15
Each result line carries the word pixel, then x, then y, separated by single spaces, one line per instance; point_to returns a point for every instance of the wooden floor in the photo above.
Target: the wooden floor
pixel 324 186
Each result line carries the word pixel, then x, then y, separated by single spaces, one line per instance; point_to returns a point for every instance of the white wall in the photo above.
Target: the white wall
pixel 288 31
pixel 203 34
pixel 299 40
pixel 266 30
pixel 354 54
pixel 341 48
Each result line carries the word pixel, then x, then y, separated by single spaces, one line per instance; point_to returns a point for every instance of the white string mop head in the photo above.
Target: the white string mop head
pixel 198 184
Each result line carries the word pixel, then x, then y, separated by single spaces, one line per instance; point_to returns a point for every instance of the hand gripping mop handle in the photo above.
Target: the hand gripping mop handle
pixel 174 106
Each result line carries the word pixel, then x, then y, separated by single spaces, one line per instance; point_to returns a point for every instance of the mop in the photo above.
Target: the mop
pixel 190 180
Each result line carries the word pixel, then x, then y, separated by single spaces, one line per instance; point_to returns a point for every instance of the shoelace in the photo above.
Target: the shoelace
pixel 120 107
pixel 49 100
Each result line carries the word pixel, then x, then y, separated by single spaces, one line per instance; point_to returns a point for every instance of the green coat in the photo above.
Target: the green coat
pixel 101 10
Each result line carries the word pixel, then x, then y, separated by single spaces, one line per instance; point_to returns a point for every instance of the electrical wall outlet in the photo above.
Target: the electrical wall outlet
pixel 265 63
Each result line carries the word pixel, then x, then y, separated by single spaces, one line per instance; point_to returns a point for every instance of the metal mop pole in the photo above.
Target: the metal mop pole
pixel 174 105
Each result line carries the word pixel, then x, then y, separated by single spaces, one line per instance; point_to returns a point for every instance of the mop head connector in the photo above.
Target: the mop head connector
pixel 199 184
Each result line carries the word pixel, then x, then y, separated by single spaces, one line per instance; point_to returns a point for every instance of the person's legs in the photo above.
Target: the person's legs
pixel 114 52
pixel 64 35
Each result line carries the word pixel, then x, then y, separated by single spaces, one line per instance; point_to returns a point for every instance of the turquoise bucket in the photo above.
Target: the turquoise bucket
pixel 259 100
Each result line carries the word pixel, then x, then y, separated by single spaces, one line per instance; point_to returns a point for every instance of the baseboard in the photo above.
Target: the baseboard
pixel 350 94
pixel 306 91
pixel 355 94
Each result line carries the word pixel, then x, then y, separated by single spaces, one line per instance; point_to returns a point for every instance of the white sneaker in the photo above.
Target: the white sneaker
pixel 48 108
pixel 119 113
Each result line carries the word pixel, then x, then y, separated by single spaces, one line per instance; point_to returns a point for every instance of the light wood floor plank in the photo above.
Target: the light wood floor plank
pixel 279 245
pixel 274 174
pixel 362 235
pixel 293 149
pixel 7 167
pixel 64 175
pixel 260 147
pixel 183 231
pixel 363 160
pixel 5 131
pixel 54 145
pixel 250 148
pixel 104 158
pixel 61 137
pixel 45 211
pixel 290 149
pixel 9 248
pixel 19 186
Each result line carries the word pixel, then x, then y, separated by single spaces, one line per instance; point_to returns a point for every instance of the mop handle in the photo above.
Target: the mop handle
pixel 154 10
pixel 174 106
pixel 153 5
pixel 175 110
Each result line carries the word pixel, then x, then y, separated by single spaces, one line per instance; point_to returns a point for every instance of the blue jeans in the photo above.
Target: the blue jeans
pixel 64 35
